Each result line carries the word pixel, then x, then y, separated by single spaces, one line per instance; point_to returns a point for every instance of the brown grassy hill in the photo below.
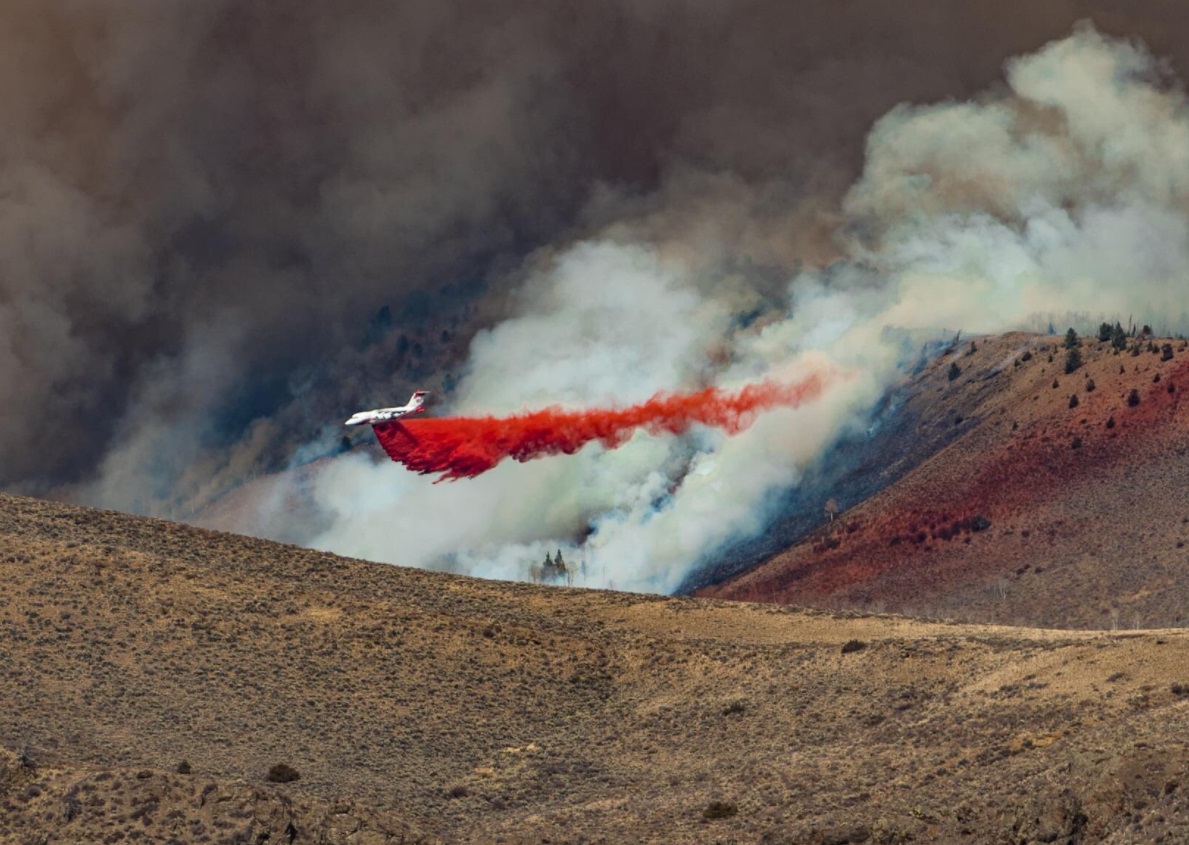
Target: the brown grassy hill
pixel 424 707
pixel 1088 519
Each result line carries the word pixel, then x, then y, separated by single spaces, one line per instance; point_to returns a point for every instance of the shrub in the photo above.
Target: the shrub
pixel 1027 356
pixel 1133 397
pixel 1073 401
pixel 1076 444
pixel 1090 385
pixel 1073 359
pixel 954 371
pixel 283 773
pixel 1118 336
pixel 1156 378
pixel 851 646
pixel 1166 352
pixel 1110 422
pixel 720 810
pixel 184 767
pixel 1104 332
pixel 1071 339
pixel 979 523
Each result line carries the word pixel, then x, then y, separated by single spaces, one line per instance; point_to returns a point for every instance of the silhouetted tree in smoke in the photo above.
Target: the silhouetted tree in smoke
pixel 555 569
pixel 832 509
pixel 1119 336
pixel 1104 332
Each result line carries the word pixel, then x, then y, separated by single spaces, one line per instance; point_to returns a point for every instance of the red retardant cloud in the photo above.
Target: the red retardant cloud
pixel 463 447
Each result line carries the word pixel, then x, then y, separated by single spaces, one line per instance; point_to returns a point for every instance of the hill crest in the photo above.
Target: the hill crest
pixel 442 708
pixel 1075 477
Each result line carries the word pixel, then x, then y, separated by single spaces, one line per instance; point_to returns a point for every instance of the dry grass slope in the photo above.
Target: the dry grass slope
pixel 424 707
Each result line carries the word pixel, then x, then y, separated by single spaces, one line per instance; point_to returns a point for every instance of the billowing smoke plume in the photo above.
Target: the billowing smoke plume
pixel 1060 193
pixel 463 447
pixel 224 226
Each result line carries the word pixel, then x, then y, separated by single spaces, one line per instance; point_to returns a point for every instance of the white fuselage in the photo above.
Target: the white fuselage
pixel 379 415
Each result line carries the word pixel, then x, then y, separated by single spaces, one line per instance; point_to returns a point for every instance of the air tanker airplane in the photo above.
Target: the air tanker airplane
pixel 380 415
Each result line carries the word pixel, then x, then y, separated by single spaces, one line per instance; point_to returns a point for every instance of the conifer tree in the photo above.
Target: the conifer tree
pixel 1118 336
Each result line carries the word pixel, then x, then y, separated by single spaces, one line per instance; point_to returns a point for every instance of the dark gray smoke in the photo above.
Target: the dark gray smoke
pixel 224 224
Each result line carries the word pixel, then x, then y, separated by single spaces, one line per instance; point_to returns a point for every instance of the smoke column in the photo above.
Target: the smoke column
pixel 464 447
pixel 1061 189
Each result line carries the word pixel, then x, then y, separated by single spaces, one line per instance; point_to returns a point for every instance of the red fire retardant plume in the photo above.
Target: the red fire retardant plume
pixel 463 447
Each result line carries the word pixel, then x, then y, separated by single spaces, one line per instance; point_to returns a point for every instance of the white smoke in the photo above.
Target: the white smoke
pixel 605 323
pixel 1067 191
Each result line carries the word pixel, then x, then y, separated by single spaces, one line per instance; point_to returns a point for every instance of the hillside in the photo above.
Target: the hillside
pixel 1078 489
pixel 424 707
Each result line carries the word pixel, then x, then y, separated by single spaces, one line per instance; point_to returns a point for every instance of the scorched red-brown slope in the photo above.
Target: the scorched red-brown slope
pixel 1088 522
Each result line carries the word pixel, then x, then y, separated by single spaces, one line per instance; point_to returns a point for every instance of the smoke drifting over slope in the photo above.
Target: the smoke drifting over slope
pixel 207 209
pixel 1035 199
